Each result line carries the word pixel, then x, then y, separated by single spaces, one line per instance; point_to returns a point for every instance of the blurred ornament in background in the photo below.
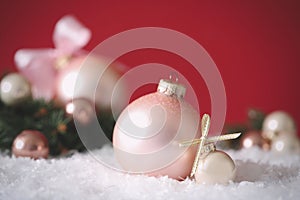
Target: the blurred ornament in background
pixel 30 143
pixel 255 118
pixel 15 89
pixel 276 131
pixel 278 122
pixel 146 135
pixel 81 109
pixel 254 138
pixel 280 129
pixel 286 144
pixel 88 77
pixel 41 66
pixel 55 72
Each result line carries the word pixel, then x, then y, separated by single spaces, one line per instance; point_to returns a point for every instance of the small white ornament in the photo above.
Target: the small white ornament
pixel 216 167
pixel 285 144
pixel 14 89
pixel 277 122
pixel 212 166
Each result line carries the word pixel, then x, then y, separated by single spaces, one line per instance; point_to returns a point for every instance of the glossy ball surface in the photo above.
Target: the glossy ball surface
pixel 86 77
pixel 14 89
pixel 216 168
pixel 147 134
pixel 277 122
pixel 30 143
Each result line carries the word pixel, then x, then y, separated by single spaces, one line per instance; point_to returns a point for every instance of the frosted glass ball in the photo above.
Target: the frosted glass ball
pixel 147 134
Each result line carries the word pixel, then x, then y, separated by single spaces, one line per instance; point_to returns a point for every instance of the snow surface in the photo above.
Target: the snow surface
pixel 260 175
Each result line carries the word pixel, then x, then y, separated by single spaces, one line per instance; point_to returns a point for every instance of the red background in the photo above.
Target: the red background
pixel 255 44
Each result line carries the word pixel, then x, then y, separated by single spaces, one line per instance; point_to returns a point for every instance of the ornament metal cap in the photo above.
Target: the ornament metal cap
pixel 171 88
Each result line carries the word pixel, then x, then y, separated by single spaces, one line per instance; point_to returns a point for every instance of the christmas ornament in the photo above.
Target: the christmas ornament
pixel 278 122
pixel 67 71
pixel 41 66
pixel 30 143
pixel 210 165
pixel 81 110
pixel 147 133
pixel 254 138
pixel 285 144
pixel 75 81
pixel 15 89
pixel 254 123
pixel 215 168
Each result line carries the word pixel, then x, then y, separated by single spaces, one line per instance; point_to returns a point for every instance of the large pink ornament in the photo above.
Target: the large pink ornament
pixel 148 132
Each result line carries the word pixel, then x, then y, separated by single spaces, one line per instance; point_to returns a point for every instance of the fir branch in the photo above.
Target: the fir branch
pixel 51 120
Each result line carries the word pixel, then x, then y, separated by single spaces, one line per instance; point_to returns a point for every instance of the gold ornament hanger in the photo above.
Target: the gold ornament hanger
pixel 205 124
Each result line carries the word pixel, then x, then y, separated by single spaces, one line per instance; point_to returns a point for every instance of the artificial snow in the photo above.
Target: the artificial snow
pixel 260 175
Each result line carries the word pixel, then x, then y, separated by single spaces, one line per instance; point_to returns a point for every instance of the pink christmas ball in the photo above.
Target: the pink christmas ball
pixel 148 132
pixel 30 143
pixel 86 77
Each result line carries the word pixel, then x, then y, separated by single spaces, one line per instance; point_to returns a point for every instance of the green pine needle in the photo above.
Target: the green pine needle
pixel 46 117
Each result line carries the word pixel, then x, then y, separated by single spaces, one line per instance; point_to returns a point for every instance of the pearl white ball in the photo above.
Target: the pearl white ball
pixel 285 144
pixel 216 168
pixel 14 89
pixel 277 122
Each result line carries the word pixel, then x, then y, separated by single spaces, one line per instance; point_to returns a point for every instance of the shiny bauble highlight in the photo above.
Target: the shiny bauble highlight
pixel 254 138
pixel 81 110
pixel 148 132
pixel 30 143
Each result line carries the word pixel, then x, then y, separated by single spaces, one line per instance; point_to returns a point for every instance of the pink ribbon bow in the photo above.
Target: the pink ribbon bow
pixel 40 66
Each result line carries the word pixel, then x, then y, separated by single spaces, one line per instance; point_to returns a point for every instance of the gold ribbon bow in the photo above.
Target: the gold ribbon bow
pixel 205 124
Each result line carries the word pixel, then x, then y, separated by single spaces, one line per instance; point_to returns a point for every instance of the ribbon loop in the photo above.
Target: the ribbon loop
pixel 39 66
pixel 70 35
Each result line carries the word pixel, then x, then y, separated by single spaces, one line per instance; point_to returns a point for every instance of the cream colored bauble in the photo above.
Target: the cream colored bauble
pixel 216 168
pixel 286 144
pixel 278 122
pixel 15 89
